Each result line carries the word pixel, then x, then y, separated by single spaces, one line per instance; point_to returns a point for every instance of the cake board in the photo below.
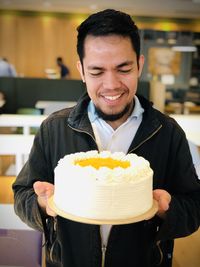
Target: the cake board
pixel 145 216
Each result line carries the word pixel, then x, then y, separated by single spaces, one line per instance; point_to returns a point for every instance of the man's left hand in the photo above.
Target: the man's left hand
pixel 163 198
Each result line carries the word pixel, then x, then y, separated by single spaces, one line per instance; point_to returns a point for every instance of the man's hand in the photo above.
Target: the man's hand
pixel 44 190
pixel 164 199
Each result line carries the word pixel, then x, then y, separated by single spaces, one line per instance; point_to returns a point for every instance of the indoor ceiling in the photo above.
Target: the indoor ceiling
pixel 156 8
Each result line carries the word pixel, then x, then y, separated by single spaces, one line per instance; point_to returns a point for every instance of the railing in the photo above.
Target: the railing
pixel 19 120
pixel 17 145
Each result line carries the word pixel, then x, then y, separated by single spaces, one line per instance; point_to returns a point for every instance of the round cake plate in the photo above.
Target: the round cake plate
pixel 145 216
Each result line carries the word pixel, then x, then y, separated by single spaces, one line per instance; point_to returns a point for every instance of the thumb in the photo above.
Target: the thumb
pixel 43 189
pixel 163 198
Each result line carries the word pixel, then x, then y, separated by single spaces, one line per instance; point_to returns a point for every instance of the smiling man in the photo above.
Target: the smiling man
pixel 111 116
pixel 111 70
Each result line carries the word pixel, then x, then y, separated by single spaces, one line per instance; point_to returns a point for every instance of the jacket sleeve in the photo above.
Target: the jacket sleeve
pixel 183 216
pixel 36 168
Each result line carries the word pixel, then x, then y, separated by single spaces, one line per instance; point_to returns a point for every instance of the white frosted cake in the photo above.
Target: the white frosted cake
pixel 103 186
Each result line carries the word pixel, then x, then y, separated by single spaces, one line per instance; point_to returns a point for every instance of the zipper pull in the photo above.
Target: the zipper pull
pixel 103 255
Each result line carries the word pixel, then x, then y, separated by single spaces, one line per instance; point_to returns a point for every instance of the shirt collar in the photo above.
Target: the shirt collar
pixel 137 111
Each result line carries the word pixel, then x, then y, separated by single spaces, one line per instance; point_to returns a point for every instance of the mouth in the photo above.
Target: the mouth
pixel 111 98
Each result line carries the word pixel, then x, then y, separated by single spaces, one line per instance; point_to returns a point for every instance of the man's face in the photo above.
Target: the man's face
pixel 111 73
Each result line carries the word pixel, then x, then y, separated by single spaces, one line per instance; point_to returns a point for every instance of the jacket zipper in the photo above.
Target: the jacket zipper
pixel 104 247
pixel 146 139
pixel 75 129
pixel 80 131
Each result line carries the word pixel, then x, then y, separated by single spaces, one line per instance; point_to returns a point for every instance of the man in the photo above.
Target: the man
pixel 7 69
pixel 64 71
pixel 111 117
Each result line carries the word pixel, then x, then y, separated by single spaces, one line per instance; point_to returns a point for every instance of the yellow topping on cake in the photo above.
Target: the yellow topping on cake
pixel 103 162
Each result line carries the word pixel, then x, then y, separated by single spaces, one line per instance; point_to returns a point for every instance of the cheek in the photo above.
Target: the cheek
pixel 131 84
pixel 92 89
pixel 92 86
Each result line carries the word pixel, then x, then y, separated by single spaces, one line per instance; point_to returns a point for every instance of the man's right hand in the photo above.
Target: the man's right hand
pixel 44 190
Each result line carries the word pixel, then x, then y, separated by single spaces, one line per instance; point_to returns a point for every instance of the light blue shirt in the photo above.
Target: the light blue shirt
pixel 118 140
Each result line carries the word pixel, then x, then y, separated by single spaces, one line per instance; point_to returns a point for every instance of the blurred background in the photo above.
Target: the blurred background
pixel 34 33
pixel 38 76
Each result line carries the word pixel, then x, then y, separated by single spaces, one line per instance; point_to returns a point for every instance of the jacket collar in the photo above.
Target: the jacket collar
pixel 150 125
pixel 78 119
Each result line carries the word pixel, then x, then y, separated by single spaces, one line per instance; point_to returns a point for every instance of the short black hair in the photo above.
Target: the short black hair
pixel 59 59
pixel 108 22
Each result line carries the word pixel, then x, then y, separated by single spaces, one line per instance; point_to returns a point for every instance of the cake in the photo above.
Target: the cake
pixel 103 186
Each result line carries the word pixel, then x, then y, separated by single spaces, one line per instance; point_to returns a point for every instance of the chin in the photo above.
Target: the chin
pixel 113 116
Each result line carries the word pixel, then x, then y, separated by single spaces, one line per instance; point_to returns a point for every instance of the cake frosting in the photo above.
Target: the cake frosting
pixel 103 186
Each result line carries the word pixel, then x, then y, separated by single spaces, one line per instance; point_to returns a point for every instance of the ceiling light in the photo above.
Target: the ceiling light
pixel 182 48
pixel 185 42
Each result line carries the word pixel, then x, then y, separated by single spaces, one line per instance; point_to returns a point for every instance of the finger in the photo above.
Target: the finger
pixel 159 194
pixel 43 188
pixel 163 204
pixel 163 198
pixel 50 212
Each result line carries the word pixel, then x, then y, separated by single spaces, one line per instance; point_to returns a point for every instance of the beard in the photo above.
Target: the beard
pixel 114 117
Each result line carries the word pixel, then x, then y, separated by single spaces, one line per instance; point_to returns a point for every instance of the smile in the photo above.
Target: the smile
pixel 112 97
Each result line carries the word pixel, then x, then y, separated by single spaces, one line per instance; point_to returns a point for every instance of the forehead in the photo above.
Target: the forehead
pixel 111 45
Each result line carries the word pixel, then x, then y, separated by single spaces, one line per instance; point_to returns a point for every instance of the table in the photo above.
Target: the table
pixel 191 126
pixel 42 104
pixel 49 107
pixel 19 120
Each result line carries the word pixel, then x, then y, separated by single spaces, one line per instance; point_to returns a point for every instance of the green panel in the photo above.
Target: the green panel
pixel 7 87
pixel 25 92
pixel 29 91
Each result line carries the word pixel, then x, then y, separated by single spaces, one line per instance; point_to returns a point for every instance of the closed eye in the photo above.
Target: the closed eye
pixel 125 70
pixel 95 73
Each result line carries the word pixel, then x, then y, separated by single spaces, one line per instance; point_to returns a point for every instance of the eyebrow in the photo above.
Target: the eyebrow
pixel 126 63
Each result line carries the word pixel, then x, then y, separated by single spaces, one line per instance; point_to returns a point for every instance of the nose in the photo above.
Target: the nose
pixel 111 81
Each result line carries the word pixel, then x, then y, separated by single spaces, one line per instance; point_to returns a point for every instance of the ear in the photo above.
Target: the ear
pixel 80 69
pixel 141 64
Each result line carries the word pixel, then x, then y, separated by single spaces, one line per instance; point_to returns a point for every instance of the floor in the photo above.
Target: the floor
pixel 187 251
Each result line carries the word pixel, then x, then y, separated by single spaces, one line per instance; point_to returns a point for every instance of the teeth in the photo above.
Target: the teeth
pixel 112 97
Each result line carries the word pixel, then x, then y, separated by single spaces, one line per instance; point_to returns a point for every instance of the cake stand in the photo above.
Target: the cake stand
pixel 145 216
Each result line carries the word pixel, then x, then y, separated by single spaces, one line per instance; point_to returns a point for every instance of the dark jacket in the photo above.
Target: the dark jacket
pixel 149 243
